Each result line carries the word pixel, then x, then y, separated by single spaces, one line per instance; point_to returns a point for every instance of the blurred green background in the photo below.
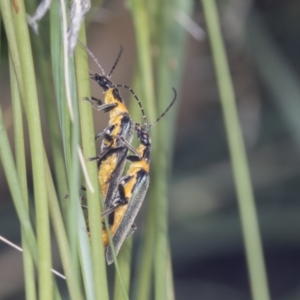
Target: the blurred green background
pixel 263 46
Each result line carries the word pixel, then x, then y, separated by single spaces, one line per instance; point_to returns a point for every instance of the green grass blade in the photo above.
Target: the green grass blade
pixel 30 101
pixel 124 260
pixel 170 282
pixel 15 189
pixel 51 115
pixel 142 31
pixel 94 198
pixel 250 227
pixel 7 17
pixel 61 236
pixel 58 78
pixel 85 256
pixel 169 65
pixel 40 44
pixel 6 155
pixel 63 68
pixel 30 288
pixel 169 38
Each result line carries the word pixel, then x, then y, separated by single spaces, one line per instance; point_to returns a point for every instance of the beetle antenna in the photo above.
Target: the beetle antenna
pixel 137 100
pixel 166 110
pixel 116 62
pixel 92 56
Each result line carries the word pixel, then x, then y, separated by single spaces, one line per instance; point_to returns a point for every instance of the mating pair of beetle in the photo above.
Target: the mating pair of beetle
pixel 123 195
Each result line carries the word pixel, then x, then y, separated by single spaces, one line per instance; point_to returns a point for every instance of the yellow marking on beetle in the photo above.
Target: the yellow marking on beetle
pixel 120 108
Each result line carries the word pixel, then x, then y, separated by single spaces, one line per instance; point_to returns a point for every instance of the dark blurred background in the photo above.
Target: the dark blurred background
pixel 263 45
